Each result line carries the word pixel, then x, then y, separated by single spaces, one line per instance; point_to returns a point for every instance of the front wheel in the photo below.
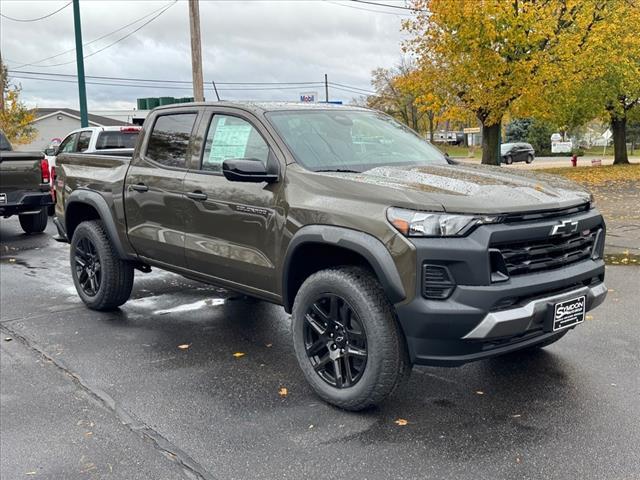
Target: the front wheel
pixel 103 280
pixel 34 223
pixel 529 158
pixel 347 339
pixel 509 160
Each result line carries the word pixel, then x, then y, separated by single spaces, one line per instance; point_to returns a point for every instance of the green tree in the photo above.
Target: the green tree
pixel 15 118
pixel 517 130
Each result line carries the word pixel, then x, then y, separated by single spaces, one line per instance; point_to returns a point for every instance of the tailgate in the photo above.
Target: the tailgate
pixel 20 172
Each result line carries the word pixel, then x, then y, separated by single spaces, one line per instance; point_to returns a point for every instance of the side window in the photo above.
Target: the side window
pixel 68 144
pixel 169 139
pixel 83 141
pixel 232 137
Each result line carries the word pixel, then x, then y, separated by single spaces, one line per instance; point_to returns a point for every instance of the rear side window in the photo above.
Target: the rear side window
pixel 107 140
pixel 169 139
pixel 83 141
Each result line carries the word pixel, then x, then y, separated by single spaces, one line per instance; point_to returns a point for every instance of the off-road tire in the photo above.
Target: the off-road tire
pixel 529 158
pixel 388 366
pixel 116 274
pixel 34 223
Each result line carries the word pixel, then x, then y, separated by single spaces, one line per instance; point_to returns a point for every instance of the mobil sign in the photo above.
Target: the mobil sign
pixel 309 97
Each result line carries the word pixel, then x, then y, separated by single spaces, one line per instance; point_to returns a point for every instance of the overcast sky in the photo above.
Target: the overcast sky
pixel 242 41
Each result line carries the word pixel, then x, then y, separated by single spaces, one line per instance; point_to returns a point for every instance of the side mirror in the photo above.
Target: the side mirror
pixel 449 160
pixel 51 151
pixel 247 170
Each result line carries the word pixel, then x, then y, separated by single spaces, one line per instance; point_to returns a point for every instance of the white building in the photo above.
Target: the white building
pixel 56 123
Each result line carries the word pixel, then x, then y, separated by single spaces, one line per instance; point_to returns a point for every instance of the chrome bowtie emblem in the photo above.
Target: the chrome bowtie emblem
pixel 565 227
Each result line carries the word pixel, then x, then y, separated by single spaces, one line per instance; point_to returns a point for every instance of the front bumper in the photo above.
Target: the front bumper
pixel 483 317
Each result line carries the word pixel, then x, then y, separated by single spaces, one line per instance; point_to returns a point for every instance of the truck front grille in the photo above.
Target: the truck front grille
pixel 549 253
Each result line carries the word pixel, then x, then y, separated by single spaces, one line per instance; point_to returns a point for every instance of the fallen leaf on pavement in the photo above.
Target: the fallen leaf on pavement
pixel 589 317
pixel 283 392
pixel 238 354
pixel 269 345
pixel 184 346
pixel 479 392
pixel 401 422
pixel 517 415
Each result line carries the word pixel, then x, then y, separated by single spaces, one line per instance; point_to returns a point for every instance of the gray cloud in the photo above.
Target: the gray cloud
pixel 243 41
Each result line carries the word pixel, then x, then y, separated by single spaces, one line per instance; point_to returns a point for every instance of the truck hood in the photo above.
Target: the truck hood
pixel 474 188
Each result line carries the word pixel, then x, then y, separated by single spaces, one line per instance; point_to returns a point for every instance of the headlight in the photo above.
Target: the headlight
pixel 412 223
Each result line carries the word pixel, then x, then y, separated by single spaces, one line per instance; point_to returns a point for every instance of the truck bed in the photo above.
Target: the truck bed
pixel 101 173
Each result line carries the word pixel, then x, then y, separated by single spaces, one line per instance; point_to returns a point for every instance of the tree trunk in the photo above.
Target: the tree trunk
pixel 491 144
pixel 619 130
pixel 430 117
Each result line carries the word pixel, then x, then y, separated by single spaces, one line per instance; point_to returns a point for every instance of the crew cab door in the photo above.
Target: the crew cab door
pixel 232 228
pixel 154 201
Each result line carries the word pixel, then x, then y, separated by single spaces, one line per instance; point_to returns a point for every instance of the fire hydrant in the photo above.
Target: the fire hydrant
pixel 574 160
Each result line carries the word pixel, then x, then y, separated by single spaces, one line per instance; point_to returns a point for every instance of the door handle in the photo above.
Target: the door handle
pixel 140 187
pixel 197 195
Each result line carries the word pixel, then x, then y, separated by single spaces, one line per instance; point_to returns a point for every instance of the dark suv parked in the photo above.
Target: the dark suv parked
pixel 384 253
pixel 517 152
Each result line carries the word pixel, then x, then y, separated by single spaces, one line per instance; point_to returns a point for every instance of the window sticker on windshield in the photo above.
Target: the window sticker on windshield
pixel 229 141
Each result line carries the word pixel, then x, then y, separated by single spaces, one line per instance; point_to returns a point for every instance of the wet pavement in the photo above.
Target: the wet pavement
pixel 112 395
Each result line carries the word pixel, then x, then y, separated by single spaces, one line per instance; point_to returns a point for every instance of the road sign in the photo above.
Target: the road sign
pixel 607 135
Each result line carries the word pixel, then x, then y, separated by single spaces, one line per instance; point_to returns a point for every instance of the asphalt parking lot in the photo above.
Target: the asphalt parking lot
pixel 111 395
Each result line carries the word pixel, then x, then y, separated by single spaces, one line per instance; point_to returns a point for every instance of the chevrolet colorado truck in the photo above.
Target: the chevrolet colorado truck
pixel 385 252
pixel 25 188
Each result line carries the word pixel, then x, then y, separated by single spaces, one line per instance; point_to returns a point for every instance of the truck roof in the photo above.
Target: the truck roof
pixel 261 107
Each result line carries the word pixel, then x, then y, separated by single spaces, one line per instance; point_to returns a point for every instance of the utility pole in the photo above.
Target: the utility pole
pixel 196 50
pixel 82 89
pixel 326 89
pixel 2 80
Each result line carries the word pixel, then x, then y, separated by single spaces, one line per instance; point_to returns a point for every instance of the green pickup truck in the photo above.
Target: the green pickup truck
pixel 25 187
pixel 385 252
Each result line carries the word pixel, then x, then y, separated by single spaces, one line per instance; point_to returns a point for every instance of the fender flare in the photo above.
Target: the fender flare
pixel 97 201
pixel 368 246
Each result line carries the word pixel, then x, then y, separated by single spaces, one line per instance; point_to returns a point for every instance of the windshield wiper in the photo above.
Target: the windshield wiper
pixel 340 170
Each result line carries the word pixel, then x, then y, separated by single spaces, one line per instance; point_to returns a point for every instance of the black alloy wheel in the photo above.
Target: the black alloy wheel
pixel 335 341
pixel 88 267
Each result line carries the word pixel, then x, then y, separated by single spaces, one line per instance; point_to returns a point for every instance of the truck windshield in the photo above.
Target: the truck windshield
pixel 351 140
pixel 114 139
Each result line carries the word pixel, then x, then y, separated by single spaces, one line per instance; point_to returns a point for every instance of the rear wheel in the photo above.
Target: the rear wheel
pixel 102 279
pixel 34 223
pixel 347 339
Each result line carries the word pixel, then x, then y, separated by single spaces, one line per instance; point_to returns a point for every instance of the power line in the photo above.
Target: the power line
pixel 157 80
pixel 117 41
pixel 34 19
pixel 411 9
pixel 367 9
pixel 353 88
pixel 176 87
pixel 92 41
